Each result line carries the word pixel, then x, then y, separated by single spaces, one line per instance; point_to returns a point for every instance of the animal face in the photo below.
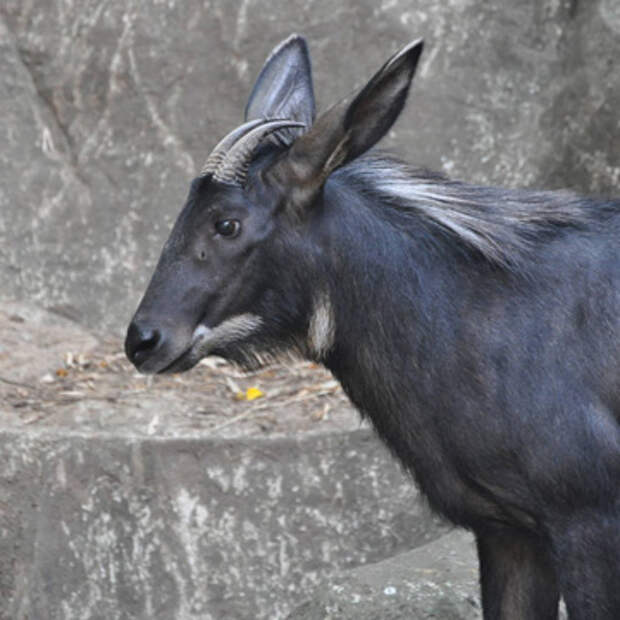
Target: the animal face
pixel 238 275
pixel 207 281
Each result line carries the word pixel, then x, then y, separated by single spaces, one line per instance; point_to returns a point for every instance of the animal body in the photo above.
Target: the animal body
pixel 477 328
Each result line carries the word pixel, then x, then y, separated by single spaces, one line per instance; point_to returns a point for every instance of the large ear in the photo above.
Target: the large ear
pixel 348 129
pixel 283 89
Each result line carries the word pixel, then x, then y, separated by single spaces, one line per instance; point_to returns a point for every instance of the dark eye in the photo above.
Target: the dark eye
pixel 228 228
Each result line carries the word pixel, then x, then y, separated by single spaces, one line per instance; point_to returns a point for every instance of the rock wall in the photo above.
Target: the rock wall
pixel 118 528
pixel 108 108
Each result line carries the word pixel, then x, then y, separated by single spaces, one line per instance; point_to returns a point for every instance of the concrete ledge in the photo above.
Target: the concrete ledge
pixel 120 527
pixel 437 581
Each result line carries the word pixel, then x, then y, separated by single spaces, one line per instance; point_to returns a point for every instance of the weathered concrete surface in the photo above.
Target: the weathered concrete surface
pixel 95 527
pixel 438 581
pixel 108 108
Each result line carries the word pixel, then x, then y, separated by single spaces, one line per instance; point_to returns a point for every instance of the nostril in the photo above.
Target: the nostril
pixel 141 340
pixel 149 340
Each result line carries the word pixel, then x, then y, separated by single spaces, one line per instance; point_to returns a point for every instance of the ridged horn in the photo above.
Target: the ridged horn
pixel 223 146
pixel 234 166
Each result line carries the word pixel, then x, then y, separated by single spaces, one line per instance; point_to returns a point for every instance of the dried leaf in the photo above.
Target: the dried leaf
pixel 252 393
pixel 321 414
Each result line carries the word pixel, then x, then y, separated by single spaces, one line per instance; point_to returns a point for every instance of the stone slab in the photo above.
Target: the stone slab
pixel 105 527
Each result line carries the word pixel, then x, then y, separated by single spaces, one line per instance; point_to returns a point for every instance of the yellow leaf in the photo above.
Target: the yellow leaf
pixel 253 393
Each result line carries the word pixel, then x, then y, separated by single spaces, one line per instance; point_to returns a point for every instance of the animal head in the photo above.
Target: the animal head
pixel 237 276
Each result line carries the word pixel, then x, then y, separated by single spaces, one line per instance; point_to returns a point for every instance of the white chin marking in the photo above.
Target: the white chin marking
pixel 200 333
pixel 205 339
pixel 322 329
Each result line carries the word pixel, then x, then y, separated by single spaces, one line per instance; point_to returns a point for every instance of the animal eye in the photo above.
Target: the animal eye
pixel 228 228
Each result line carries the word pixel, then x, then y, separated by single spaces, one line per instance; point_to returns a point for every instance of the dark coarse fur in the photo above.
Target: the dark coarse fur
pixel 477 328
pixel 481 342
pixel 488 361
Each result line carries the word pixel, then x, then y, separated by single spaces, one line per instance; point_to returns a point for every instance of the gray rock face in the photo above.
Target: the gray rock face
pixel 95 526
pixel 107 110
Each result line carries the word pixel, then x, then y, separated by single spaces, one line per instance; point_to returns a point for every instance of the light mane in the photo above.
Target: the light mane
pixel 500 224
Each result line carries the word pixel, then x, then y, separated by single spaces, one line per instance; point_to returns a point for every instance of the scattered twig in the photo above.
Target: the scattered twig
pixel 17 383
pixel 237 418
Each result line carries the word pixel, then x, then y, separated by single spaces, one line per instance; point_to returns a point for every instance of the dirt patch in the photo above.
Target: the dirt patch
pixel 53 373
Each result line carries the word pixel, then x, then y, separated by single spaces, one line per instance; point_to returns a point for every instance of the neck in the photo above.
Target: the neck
pixel 380 321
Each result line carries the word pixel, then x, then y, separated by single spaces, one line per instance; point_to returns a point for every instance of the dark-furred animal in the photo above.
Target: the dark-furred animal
pixel 477 328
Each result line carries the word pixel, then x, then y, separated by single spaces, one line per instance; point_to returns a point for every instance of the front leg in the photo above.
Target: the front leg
pixel 517 576
pixel 587 545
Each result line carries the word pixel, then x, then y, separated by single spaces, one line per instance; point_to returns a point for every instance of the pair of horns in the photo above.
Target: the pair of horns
pixel 230 159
